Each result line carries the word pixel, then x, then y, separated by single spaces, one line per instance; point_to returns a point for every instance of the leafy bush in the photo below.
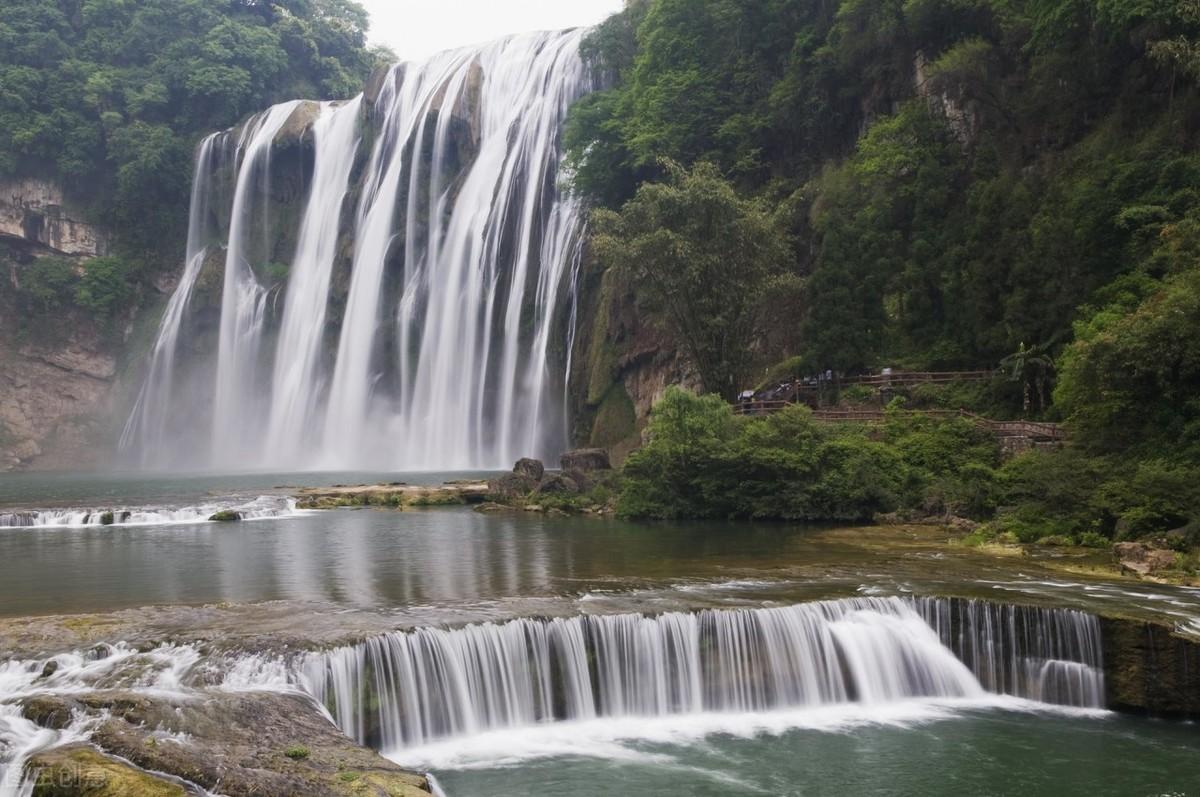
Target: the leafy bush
pixel 49 282
pixel 105 287
pixel 701 461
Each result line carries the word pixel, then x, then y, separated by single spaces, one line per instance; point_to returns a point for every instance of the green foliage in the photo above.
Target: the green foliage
pixel 701 257
pixel 105 289
pixel 1132 378
pixel 49 282
pixel 110 95
pixel 702 461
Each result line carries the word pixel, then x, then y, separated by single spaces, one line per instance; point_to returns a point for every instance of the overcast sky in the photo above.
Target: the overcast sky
pixel 416 29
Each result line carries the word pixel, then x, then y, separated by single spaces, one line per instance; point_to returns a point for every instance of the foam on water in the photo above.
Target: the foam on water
pixel 264 507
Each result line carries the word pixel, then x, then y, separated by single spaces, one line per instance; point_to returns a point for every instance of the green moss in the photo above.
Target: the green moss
pixel 437 499
pixel 615 420
pixel 602 356
pixel 225 516
pixel 107 519
pixel 297 752
pixel 81 772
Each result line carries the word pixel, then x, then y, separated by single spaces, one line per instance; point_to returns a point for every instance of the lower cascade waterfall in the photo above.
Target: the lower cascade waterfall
pixel 386 282
pixel 408 688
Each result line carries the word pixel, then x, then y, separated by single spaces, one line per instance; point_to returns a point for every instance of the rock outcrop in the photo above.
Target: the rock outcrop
pixel 586 460
pixel 53 402
pixel 36 212
pixel 79 771
pixel 1150 669
pixel 1139 558
pixel 240 744
pixel 533 468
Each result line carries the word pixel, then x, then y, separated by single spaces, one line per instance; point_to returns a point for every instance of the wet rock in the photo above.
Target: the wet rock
pixel 50 668
pixel 511 485
pixel 78 771
pixel 244 744
pixel 225 516
pixel 557 484
pixel 581 479
pixel 1150 669
pixel 1137 557
pixel 49 711
pixel 533 468
pixel 299 124
pixel 586 460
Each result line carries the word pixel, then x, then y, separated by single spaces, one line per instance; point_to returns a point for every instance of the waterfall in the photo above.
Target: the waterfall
pixel 147 425
pixel 1052 655
pixel 408 688
pixel 292 401
pixel 420 313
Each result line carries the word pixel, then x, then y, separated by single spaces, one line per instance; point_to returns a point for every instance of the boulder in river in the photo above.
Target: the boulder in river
pixel 511 485
pixel 558 484
pixel 586 460
pixel 533 468
pixel 1137 557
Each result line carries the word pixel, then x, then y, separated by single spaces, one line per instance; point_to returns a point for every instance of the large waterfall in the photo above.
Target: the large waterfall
pixel 409 688
pixel 379 283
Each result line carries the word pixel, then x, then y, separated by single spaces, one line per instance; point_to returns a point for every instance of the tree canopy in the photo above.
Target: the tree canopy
pixel 110 96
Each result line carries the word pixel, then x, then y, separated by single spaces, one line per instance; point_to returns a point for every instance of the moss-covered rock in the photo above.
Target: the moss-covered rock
pixel 616 419
pixel 225 516
pixel 83 772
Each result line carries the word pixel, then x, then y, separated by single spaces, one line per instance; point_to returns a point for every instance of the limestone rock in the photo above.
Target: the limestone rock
pixel 36 211
pixel 1137 557
pixel 299 124
pixel 239 745
pixel 511 485
pixel 533 468
pixel 558 484
pixel 586 460
pixel 78 771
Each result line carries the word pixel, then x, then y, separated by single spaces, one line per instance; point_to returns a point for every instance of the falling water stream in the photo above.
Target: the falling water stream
pixel 411 688
pixel 424 314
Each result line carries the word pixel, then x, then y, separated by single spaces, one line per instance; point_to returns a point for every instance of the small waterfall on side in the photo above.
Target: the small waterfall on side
pixel 409 688
pixel 1051 655
pixel 146 428
pixel 397 287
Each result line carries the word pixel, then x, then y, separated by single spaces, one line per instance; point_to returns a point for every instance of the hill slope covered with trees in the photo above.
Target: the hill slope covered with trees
pixel 960 184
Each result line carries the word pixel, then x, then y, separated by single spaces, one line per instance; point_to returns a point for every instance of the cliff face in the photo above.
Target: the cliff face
pixel 57 375
pixel 35 212
pixel 621 364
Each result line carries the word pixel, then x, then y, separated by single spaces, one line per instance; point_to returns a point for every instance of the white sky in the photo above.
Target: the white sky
pixel 416 29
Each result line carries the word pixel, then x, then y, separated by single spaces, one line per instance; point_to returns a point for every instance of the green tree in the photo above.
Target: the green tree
pixel 701 257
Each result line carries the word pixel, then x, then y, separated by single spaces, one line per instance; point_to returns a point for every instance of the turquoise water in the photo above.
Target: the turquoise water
pixel 931 752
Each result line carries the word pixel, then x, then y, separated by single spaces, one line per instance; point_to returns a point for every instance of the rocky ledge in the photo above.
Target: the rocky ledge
pixel 240 744
pixel 584 484
pixel 396 495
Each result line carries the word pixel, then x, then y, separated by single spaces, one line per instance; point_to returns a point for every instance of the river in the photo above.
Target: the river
pixel 683 705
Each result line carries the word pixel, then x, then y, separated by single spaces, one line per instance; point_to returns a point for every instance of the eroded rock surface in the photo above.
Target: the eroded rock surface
pixel 237 743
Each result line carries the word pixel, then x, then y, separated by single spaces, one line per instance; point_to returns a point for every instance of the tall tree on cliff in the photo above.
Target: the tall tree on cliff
pixel 702 259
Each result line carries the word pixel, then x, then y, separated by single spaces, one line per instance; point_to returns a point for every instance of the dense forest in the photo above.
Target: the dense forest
pixel 109 97
pixel 959 184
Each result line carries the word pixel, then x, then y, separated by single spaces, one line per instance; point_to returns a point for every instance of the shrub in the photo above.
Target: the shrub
pixel 105 288
pixel 49 282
